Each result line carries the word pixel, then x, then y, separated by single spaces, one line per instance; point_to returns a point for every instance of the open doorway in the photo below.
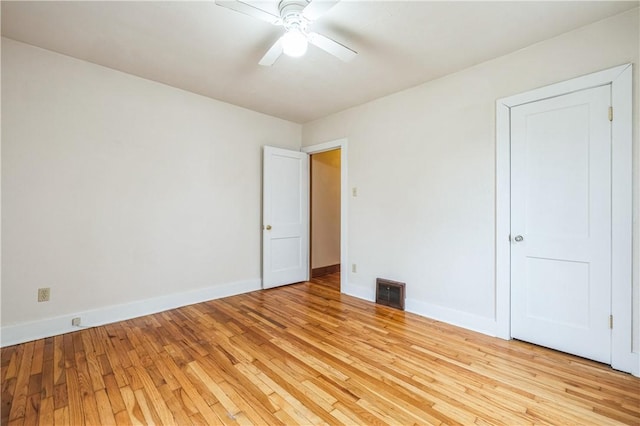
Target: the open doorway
pixel 325 212
pixel 342 146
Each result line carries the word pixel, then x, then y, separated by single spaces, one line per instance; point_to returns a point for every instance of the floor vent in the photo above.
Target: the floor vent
pixel 390 293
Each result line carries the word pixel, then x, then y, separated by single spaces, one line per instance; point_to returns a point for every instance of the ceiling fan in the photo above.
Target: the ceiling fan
pixel 295 17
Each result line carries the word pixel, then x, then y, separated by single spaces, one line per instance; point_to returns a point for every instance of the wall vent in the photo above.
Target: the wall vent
pixel 390 293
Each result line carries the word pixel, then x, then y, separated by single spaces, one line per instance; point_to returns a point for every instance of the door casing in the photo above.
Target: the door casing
pixel 620 77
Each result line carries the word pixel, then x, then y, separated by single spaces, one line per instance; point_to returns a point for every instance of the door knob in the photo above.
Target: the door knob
pixel 518 238
pixel 268 227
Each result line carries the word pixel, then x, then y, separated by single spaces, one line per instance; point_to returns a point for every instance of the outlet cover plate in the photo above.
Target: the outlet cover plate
pixel 44 294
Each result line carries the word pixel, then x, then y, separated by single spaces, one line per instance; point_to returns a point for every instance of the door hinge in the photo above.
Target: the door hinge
pixel 611 321
pixel 610 113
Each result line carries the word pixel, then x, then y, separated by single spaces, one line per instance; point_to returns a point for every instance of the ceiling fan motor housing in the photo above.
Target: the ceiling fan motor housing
pixel 291 14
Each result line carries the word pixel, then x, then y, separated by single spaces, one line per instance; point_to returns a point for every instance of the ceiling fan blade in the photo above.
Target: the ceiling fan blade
pixel 272 54
pixel 338 50
pixel 250 10
pixel 317 8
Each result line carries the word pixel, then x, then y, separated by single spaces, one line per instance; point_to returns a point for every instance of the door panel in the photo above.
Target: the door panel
pixel 567 281
pixel 285 250
pixel 561 206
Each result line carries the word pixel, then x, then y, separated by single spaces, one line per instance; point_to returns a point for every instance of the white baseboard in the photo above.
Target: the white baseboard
pixel 361 292
pixel 439 313
pixel 25 332
pixel 451 316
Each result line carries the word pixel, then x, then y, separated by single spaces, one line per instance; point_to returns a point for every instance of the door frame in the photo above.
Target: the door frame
pixel 620 78
pixel 344 199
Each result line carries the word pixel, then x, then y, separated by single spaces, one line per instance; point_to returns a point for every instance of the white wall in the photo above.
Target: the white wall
pixel 325 208
pixel 423 161
pixel 119 190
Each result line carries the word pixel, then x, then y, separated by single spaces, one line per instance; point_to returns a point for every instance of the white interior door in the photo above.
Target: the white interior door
pixel 561 223
pixel 285 217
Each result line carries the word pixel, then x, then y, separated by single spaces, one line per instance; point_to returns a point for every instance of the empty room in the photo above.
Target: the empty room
pixel 296 212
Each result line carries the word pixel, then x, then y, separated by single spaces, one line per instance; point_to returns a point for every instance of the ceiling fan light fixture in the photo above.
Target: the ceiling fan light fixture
pixel 294 43
pixel 296 16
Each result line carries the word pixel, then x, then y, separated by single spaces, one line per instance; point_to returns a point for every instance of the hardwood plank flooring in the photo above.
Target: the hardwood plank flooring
pixel 303 354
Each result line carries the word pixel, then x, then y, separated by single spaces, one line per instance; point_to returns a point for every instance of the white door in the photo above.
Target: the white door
pixel 285 217
pixel 561 223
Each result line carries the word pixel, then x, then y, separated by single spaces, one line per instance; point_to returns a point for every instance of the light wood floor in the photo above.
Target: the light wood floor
pixel 303 354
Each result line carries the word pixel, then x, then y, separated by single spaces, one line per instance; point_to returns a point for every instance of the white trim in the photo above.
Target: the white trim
pixel 620 78
pixel 325 146
pixel 455 317
pixel 503 222
pixel 359 291
pixel 439 313
pixel 622 357
pixel 25 332
pixel 588 81
pixel 344 200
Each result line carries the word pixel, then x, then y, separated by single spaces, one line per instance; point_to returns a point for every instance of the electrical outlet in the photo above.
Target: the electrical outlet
pixel 44 294
pixel 354 269
pixel 75 322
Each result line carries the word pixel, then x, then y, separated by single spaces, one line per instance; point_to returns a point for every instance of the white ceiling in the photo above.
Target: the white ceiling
pixel 213 51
